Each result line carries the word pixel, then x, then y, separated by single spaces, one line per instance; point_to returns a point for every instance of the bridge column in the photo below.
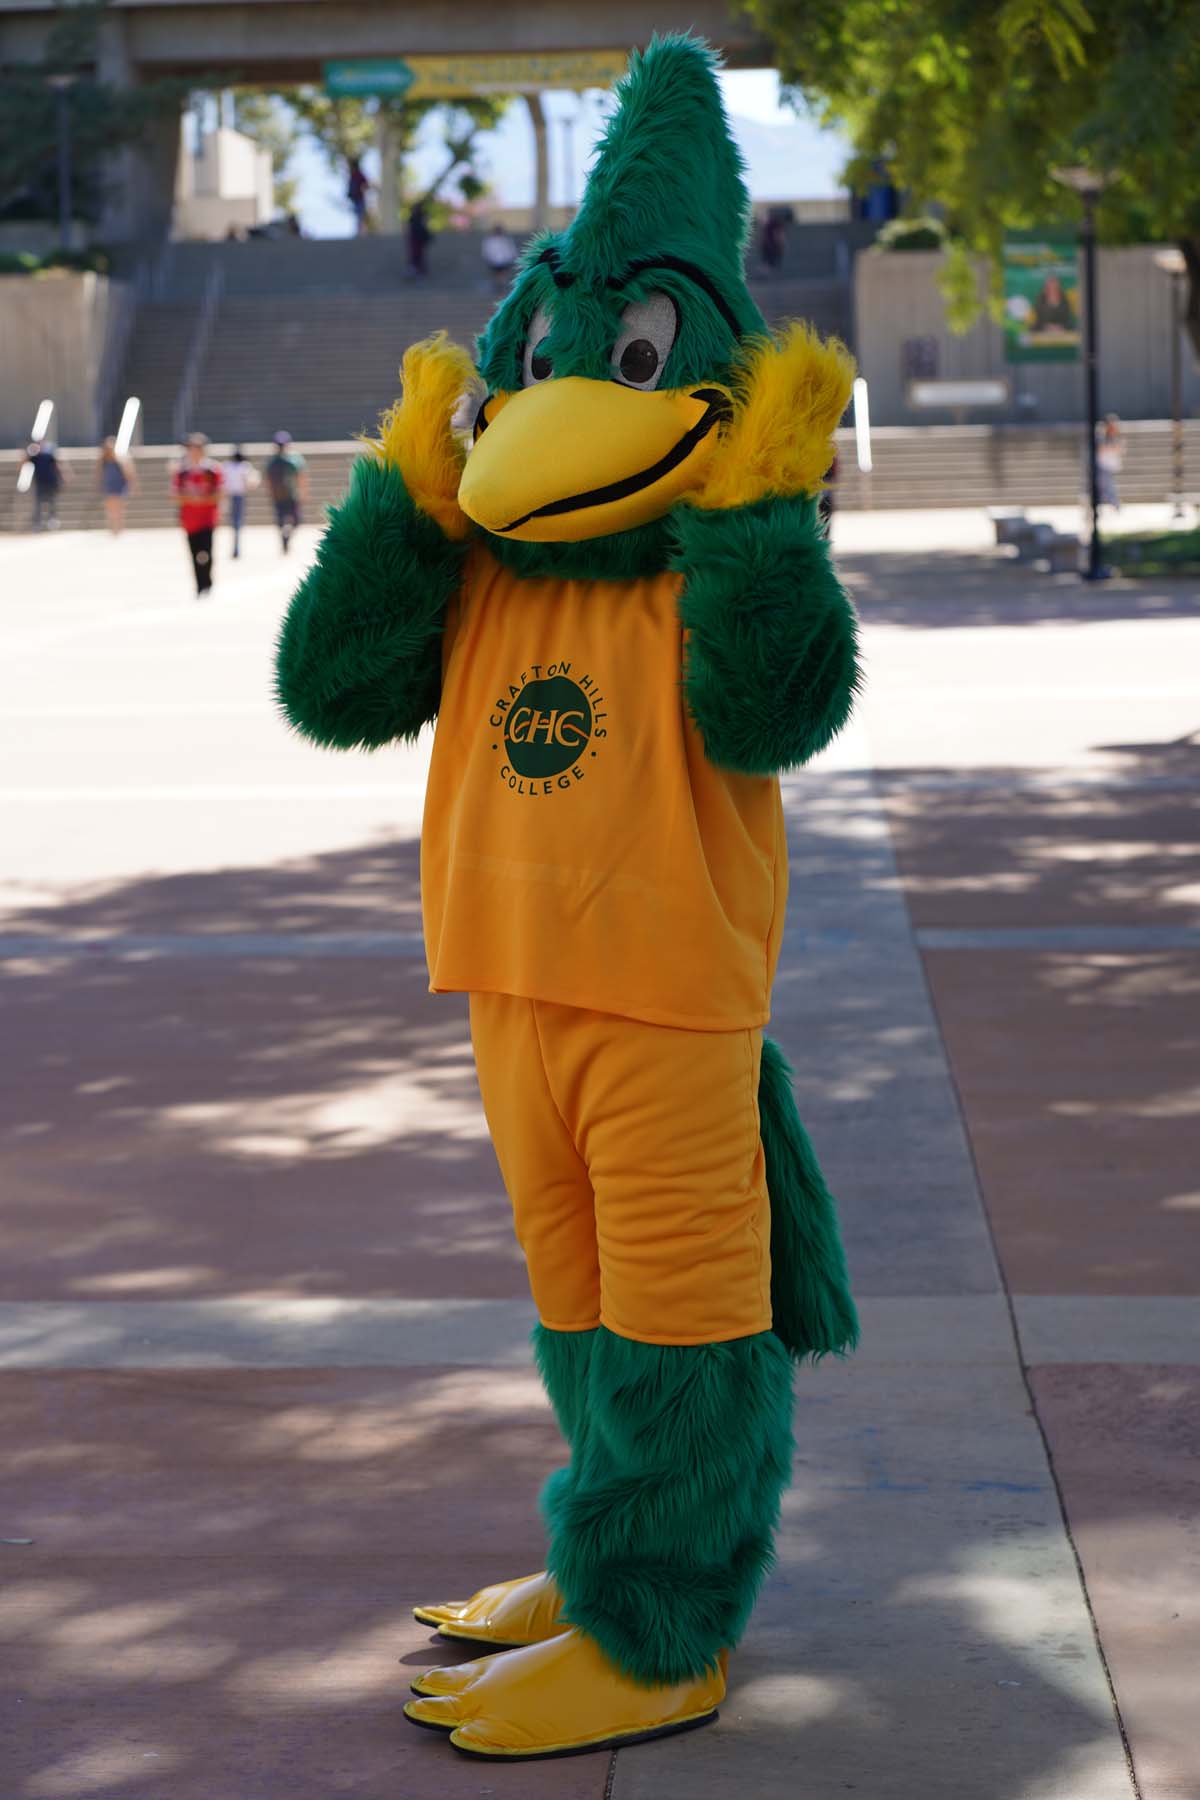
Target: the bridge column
pixel 139 181
pixel 541 162
pixel 389 187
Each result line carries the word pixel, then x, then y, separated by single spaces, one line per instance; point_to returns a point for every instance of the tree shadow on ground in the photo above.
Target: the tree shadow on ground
pixel 296 1121
pixel 216 1601
pixel 1076 1064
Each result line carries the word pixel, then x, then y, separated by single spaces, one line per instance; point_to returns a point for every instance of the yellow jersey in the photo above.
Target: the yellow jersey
pixel 578 846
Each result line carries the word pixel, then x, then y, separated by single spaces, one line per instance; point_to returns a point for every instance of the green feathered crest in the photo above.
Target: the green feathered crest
pixel 667 188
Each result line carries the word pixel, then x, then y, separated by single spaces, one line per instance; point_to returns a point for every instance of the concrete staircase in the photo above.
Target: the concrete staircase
pixel 378 264
pixel 316 266
pixel 154 364
pixel 308 335
pixel 323 367
pixel 318 367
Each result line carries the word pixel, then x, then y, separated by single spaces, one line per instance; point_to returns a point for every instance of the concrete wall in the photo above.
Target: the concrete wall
pixel 228 183
pixel 52 331
pixel 897 297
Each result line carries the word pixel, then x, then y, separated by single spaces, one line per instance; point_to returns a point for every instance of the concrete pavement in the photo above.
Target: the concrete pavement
pixel 262 1362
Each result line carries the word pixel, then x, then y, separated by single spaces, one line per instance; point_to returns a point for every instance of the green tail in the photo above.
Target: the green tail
pixel 813 1312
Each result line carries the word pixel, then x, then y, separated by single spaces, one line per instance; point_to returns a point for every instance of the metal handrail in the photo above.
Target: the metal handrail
pixel 185 399
pixel 159 272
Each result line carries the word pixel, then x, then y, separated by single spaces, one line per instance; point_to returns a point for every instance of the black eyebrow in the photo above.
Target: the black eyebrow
pixel 550 257
pixel 677 263
pixel 693 273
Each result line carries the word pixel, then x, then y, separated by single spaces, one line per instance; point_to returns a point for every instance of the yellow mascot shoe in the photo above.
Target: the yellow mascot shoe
pixel 507 1616
pixel 437 1712
pixel 562 1698
pixel 451 1680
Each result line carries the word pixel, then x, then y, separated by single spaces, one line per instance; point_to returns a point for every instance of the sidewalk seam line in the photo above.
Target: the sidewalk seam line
pixel 611 1779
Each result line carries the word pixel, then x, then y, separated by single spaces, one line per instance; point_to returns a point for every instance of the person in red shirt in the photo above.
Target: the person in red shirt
pixel 198 483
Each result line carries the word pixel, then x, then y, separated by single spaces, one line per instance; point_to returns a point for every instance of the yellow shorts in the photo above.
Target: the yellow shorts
pixel 632 1156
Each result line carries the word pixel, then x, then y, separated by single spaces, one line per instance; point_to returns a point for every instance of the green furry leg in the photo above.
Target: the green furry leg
pixel 563 1359
pixel 661 1530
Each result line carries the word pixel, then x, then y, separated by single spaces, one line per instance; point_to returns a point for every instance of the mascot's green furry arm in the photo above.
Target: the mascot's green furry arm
pixel 771 668
pixel 359 661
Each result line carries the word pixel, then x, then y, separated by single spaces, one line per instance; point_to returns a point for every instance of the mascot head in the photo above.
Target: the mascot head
pixel 629 368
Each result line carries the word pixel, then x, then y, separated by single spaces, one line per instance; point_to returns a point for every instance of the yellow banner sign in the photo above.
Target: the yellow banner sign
pixel 457 77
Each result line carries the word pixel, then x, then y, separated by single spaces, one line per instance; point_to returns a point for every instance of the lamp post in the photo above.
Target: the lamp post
pixel 62 85
pixel 1089 184
pixel 1173 263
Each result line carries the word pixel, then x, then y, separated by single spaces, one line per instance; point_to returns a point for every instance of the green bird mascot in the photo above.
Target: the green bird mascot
pixel 618 604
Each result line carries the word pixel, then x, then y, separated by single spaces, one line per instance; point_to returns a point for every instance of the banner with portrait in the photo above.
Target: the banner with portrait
pixel 1041 298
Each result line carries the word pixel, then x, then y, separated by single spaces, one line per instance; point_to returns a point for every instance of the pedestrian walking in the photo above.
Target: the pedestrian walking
pixel 499 251
pixel 420 236
pixel 771 243
pixel 241 478
pixel 197 484
pixel 288 484
pixel 1110 460
pixel 116 479
pixel 357 190
pixel 49 479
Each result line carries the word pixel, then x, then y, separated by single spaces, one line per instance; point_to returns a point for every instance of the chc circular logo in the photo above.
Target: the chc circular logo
pixel 548 726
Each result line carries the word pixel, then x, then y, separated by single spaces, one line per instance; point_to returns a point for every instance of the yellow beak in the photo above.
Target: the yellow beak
pixel 574 458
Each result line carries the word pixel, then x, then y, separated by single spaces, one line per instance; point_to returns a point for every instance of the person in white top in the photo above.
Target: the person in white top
pixel 1110 460
pixel 499 255
pixel 241 478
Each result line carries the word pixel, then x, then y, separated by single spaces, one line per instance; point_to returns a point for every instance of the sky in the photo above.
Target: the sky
pixel 788 158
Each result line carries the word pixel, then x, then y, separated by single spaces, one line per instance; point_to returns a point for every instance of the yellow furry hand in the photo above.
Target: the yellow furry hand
pixel 416 438
pixel 788 395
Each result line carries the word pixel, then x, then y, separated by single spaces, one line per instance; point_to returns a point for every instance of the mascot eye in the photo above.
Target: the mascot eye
pixel 536 365
pixel 648 329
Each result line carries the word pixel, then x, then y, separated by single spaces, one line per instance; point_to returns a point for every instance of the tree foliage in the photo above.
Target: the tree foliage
pixel 972 103
pixel 273 128
pixel 345 127
pixel 102 118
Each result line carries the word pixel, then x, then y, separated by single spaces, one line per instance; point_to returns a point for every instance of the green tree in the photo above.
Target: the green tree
pixel 346 127
pixel 102 118
pixel 342 127
pixel 273 126
pixel 971 104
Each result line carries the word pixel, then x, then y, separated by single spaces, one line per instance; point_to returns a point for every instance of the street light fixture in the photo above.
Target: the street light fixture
pixel 1172 262
pixel 62 85
pixel 1089 184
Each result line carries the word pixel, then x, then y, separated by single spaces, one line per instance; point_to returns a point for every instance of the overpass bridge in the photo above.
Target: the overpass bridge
pixel 279 43
pixel 285 41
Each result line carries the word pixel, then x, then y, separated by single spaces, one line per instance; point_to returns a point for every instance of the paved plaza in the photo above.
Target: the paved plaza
pixel 264 1377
